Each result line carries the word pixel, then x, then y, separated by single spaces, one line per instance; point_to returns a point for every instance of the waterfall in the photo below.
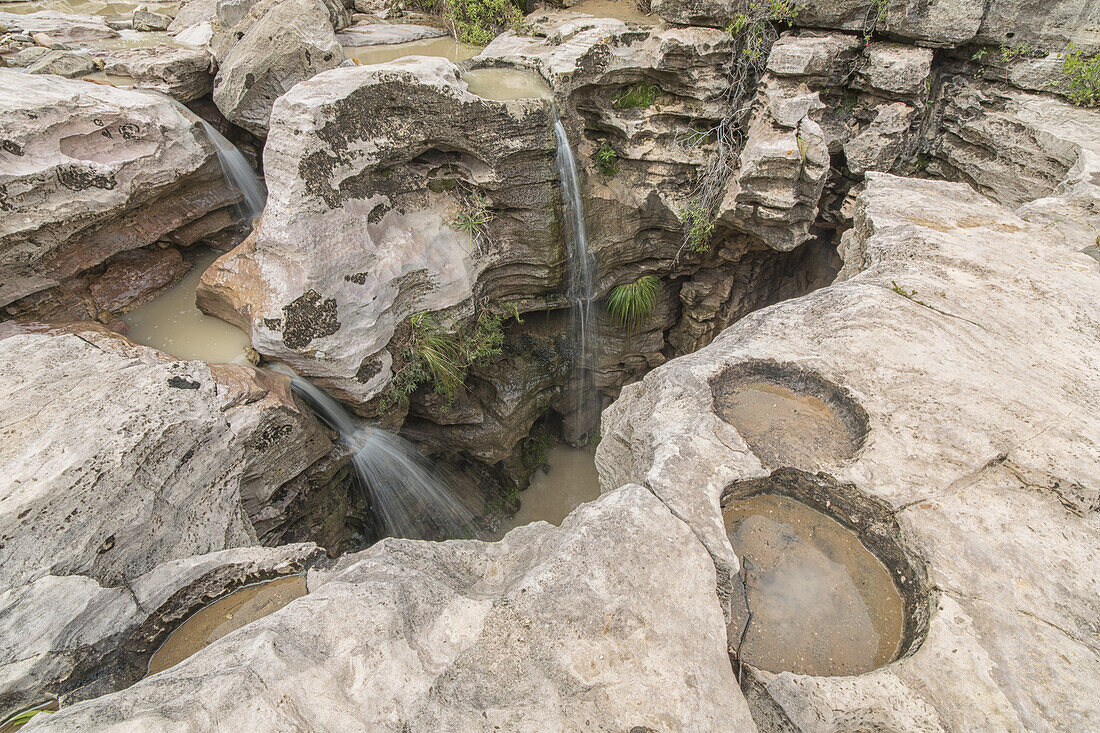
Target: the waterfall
pixel 582 277
pixel 239 173
pixel 402 487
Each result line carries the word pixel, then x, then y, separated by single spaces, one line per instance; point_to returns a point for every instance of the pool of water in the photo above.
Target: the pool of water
pixel 173 324
pixel 224 615
pixel 505 84
pixel 566 481
pixel 621 9
pixel 786 428
pixel 821 603
pixel 446 47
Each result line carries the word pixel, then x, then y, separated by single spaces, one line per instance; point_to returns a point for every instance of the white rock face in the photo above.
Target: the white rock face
pixel 60 27
pixel 89 171
pixel 354 239
pixel 968 335
pixel 608 623
pixel 272 48
pixel 120 459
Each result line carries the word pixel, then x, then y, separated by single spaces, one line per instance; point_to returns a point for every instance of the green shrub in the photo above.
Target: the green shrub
pixel 700 225
pixel 443 356
pixel 631 305
pixel 1082 75
pixel 478 21
pixel 641 95
pixel 607 160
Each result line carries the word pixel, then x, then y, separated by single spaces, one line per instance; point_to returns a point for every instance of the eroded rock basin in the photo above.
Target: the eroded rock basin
pixel 173 324
pixel 821 603
pixel 224 615
pixel 446 47
pixel 789 417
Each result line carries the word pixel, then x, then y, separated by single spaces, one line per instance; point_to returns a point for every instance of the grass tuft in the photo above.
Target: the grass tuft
pixel 631 305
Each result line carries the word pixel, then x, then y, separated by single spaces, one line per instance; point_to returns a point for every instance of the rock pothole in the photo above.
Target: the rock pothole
pixel 826 587
pixel 788 415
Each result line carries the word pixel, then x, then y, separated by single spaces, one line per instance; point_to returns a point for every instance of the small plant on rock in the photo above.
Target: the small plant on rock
pixel 607 160
pixel 631 305
pixel 443 355
pixel 474 217
pixel 641 95
pixel 700 225
pixel 1082 74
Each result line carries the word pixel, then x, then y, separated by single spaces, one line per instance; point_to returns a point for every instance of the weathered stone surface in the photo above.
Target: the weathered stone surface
pixel 948 22
pixel 138 460
pixel 277 44
pixel 1013 147
pixel 63 63
pixel 608 622
pixel 92 638
pixel 781 172
pixel 370 166
pixel 380 34
pixel 89 171
pixel 893 70
pixel 181 72
pixel 145 20
pixel 878 146
pixel 60 27
pixel 966 335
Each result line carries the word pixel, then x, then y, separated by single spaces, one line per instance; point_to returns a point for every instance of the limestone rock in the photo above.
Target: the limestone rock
pixel 1012 147
pixel 982 444
pixel 145 20
pixel 878 146
pixel 180 72
pixel 60 27
pixel 896 71
pixel 537 632
pixel 781 173
pixel 371 166
pixel 63 63
pixel 281 43
pixel 139 460
pixel 91 638
pixel 381 34
pixel 91 171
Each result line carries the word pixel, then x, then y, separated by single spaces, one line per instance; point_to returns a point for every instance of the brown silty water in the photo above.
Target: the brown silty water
pixel 786 428
pixel 446 47
pixel 224 615
pixel 506 84
pixel 821 603
pixel 173 323
pixel 566 481
pixel 624 10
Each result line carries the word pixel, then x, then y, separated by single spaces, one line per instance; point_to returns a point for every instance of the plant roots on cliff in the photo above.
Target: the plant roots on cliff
pixel 631 305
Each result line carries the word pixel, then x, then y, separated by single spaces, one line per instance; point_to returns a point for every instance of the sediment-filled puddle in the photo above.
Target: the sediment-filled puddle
pixel 821 603
pixel 625 10
pixel 173 323
pixel 787 428
pixel 224 615
pixel 108 8
pixel 506 84
pixel 446 47
pixel 566 481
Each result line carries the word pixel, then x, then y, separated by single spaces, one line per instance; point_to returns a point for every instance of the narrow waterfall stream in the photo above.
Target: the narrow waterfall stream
pixel 582 276
pixel 404 490
pixel 238 173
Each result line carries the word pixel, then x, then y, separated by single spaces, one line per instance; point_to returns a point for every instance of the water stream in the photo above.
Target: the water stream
pixel 582 278
pixel 403 488
pixel 238 173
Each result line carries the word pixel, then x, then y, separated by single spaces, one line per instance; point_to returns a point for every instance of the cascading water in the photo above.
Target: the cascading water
pixel 239 173
pixel 402 487
pixel 582 276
